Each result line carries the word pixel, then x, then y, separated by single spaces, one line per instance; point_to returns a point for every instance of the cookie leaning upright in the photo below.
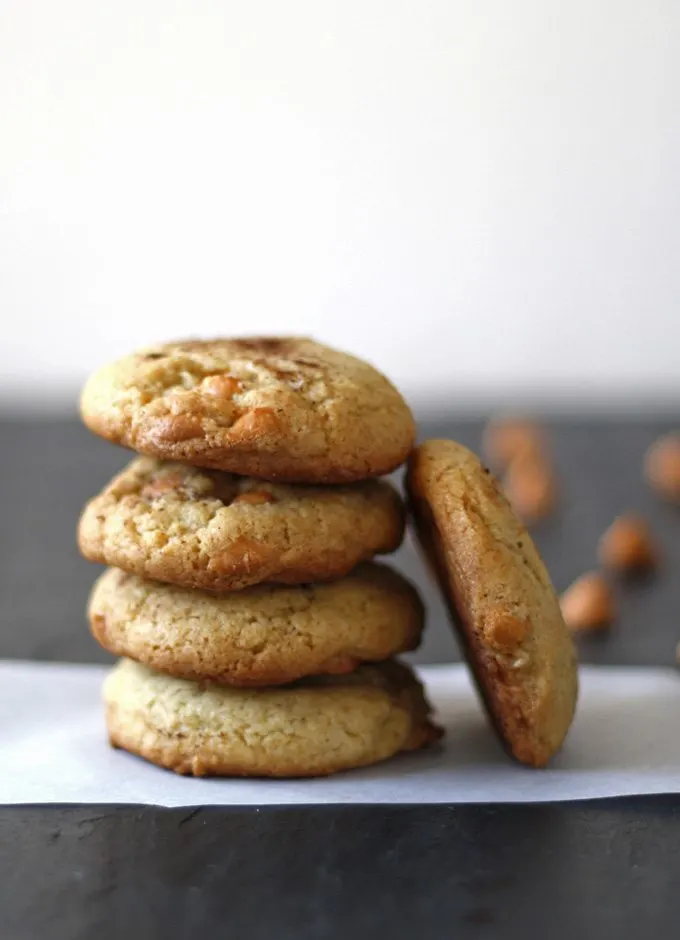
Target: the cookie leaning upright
pixel 285 409
pixel 502 601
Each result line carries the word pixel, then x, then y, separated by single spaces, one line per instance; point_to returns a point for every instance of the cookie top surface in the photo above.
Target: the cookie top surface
pixel 202 528
pixel 502 601
pixel 316 726
pixel 266 635
pixel 283 408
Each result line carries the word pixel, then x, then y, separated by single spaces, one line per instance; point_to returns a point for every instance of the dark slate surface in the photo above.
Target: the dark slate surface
pixel 608 868
pixel 48 469
pixel 560 872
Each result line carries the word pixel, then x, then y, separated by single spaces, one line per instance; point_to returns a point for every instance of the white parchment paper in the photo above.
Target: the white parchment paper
pixel 625 740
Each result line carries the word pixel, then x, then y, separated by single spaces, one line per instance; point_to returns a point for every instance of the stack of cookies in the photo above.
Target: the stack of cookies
pixel 257 636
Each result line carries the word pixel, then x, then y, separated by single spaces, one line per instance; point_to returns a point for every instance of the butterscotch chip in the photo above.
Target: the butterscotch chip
pixel 507 438
pixel 505 631
pixel 168 483
pixel 221 386
pixel 628 545
pixel 530 486
pixel 662 467
pixel 265 635
pixel 286 409
pixel 502 602
pixel 176 428
pixel 588 604
pixel 206 529
pixel 255 498
pixel 312 728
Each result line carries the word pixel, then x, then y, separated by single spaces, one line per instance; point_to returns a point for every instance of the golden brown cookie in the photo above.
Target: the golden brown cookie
pixel 274 408
pixel 501 599
pixel 309 729
pixel 265 635
pixel 213 530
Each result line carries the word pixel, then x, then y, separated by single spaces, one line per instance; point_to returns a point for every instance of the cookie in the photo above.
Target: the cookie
pixel 274 408
pixel 213 530
pixel 266 635
pixel 502 602
pixel 311 728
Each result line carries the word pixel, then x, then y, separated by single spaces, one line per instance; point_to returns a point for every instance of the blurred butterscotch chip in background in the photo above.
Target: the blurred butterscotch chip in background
pixel 518 447
pixel 588 604
pixel 662 466
pixel 628 546
pixel 507 438
pixel 530 486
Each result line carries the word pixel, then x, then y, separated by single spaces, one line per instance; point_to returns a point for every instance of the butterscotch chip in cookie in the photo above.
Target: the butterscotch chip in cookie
pixel 265 635
pixel 315 727
pixel 662 467
pixel 286 409
pixel 207 529
pixel 628 546
pixel 502 602
pixel 588 604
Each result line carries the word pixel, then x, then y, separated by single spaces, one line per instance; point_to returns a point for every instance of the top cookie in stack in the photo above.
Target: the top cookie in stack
pixel 279 409
pixel 241 439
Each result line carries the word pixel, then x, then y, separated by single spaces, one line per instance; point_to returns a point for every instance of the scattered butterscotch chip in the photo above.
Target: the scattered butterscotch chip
pixel 530 486
pixel 507 438
pixel 588 604
pixel 662 466
pixel 628 545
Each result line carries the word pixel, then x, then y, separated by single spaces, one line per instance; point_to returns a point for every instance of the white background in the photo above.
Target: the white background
pixel 483 197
